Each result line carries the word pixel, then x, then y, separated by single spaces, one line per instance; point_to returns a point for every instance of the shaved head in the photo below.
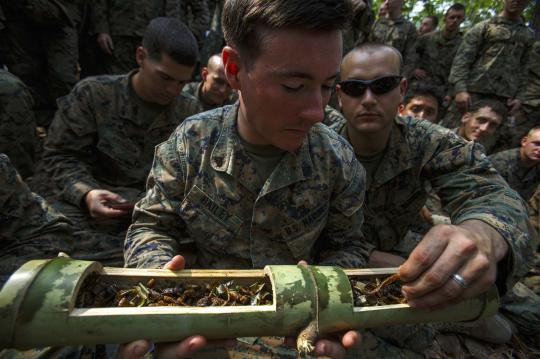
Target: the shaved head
pixel 367 50
pixel 215 62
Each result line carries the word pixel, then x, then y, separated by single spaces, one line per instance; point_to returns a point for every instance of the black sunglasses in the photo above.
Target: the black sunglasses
pixel 379 86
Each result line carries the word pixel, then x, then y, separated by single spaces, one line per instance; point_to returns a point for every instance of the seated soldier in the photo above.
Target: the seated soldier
pixel 30 227
pixel 214 89
pixel 481 122
pixel 422 102
pixel 520 167
pixel 101 143
pixel 490 239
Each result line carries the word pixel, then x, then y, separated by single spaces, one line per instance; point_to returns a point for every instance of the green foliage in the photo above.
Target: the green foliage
pixel 477 10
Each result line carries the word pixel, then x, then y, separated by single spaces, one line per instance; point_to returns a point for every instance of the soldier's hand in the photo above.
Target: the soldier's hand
pixel 99 203
pixel 183 349
pixel 471 250
pixel 419 74
pixel 105 42
pixel 513 105
pixel 463 101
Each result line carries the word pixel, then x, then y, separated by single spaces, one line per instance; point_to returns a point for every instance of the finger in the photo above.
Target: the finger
pixel 111 196
pixel 351 339
pixel 328 348
pixel 100 210
pixel 177 263
pixel 184 349
pixel 134 350
pixel 425 254
pixel 302 263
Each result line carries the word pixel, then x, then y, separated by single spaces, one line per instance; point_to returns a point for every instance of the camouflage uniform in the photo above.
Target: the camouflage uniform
pixel 434 54
pixel 195 14
pixel 419 153
pixel 213 41
pixel 194 89
pixel 39 44
pixel 331 116
pixel 522 180
pixel 399 33
pixel 103 138
pixel 203 180
pixel 125 22
pixel 29 227
pixel 490 63
pixel 17 123
pixel 358 31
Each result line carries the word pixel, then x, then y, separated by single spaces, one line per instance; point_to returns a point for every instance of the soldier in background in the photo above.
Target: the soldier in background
pixel 17 123
pixel 214 89
pixel 491 63
pixel 30 228
pixel 520 167
pixel 39 44
pixel 422 102
pixel 360 26
pixel 434 52
pixel 101 143
pixel 428 24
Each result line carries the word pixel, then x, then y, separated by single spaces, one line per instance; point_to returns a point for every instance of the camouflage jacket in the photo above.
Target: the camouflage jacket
pixel 421 153
pixel 129 18
pixel 531 93
pixel 492 57
pixel 29 227
pixel 522 180
pixel 534 211
pixel 331 116
pixel 400 33
pixel 434 54
pixel 17 123
pixel 100 137
pixel 203 181
pixel 194 89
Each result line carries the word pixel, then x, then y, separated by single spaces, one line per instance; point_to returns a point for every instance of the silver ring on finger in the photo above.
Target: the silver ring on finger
pixel 459 280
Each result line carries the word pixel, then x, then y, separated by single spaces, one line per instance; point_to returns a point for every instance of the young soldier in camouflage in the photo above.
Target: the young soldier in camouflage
pixel 101 143
pixel 261 182
pixel 520 167
pixel 428 24
pixel 434 52
pixel 214 89
pixel 29 227
pixel 422 102
pixel 491 62
pixel 17 123
pixel 396 31
pixel 491 234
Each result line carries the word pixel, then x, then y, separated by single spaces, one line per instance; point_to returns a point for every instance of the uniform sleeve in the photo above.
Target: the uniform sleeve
pixel 342 241
pixel 156 233
pixel 69 148
pixel 408 53
pixel 465 57
pixel 201 18
pixel 525 64
pixel 471 189
pixel 101 16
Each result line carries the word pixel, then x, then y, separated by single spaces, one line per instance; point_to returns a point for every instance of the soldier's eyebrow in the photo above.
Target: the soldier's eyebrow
pixel 300 74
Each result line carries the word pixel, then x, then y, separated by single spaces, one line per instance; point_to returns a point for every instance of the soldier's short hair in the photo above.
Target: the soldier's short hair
pixel 167 35
pixel 493 105
pixel 245 21
pixel 423 89
pixel 434 19
pixel 373 47
pixel 532 130
pixel 455 7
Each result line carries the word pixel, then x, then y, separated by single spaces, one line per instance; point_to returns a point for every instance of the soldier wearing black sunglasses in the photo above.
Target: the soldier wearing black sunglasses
pixel 400 155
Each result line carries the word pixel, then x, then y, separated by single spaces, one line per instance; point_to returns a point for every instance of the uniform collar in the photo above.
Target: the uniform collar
pixel 229 156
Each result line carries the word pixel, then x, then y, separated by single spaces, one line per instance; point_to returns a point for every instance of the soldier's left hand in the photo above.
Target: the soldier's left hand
pixel 471 250
pixel 513 105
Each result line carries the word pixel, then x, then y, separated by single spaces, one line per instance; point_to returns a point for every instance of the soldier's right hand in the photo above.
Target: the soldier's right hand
pixel 97 201
pixel 184 349
pixel 105 42
pixel 463 101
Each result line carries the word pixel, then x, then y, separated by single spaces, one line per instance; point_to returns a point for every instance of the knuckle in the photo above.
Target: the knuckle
pixel 433 278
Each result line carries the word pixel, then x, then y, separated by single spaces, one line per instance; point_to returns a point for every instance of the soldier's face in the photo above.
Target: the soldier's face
pixel 477 125
pixel 424 107
pixel 371 113
pixel 530 146
pixel 515 6
pixel 426 26
pixel 284 90
pixel 453 20
pixel 216 88
pixel 162 80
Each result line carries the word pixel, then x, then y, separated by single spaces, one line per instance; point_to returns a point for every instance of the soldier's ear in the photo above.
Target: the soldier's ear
pixel 140 56
pixel 403 88
pixel 231 62
pixel 204 73
pixel 338 93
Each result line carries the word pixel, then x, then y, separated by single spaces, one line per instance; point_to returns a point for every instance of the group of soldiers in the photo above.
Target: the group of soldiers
pixel 182 152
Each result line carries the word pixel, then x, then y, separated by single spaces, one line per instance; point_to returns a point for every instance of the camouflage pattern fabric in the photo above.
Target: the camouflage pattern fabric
pixel 194 89
pixel 522 306
pixel 492 57
pixel 399 33
pixel 331 116
pixel 17 123
pixel 29 227
pixel 195 14
pixel 522 180
pixel 361 24
pixel 434 54
pixel 203 181
pixel 458 171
